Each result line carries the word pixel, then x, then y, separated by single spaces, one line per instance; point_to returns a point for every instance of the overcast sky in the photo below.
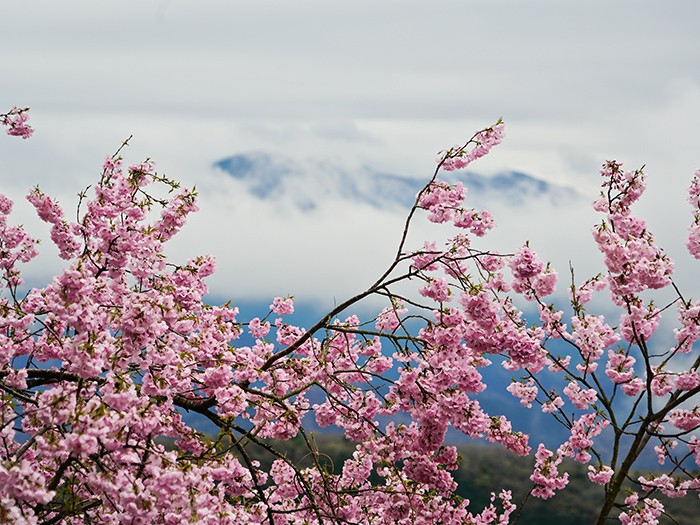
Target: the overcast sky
pixel 381 83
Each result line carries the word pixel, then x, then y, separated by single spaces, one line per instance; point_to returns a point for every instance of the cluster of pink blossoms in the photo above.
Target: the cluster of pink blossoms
pixel 645 514
pixel 16 122
pixel 633 260
pixel 693 243
pixel 480 144
pixel 546 474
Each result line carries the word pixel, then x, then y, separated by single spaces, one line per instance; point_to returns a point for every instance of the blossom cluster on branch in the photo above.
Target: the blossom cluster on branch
pixel 16 122
pixel 102 364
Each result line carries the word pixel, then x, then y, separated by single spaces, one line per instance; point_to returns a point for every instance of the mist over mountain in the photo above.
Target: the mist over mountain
pixel 306 184
pixel 314 199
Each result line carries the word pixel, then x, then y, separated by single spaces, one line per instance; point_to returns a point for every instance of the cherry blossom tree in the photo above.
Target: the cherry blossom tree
pixel 102 368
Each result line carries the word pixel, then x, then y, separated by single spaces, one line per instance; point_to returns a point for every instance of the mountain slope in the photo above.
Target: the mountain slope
pixel 306 184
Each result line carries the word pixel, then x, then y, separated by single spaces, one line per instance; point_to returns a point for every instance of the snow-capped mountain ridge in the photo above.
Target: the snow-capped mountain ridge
pixel 306 184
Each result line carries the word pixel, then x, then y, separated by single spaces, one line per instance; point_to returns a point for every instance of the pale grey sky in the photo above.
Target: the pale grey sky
pixel 386 83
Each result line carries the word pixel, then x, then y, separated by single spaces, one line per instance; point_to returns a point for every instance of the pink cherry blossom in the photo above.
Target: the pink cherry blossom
pixel 641 515
pixel 581 398
pixel 16 121
pixel 525 391
pixel 546 474
pixel 480 144
pixel 685 419
pixel 619 367
pixel 601 475
pixel 693 243
pixel 389 318
pixel 282 306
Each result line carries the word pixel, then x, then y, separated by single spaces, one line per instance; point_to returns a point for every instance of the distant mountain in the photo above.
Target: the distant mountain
pixel 305 184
